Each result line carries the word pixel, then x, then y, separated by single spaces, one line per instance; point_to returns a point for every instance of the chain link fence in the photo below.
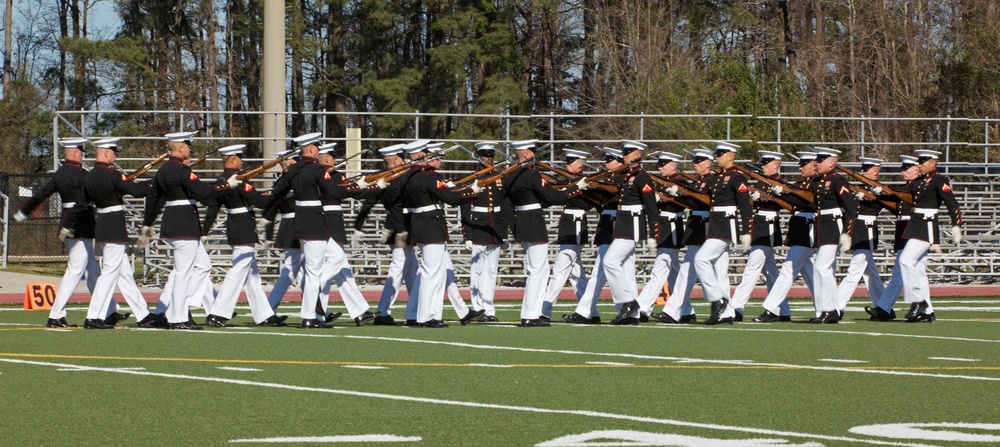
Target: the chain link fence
pixel 33 240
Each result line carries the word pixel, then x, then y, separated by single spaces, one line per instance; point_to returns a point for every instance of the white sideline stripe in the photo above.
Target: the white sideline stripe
pixel 758 328
pixel 487 365
pixel 330 439
pixel 594 414
pixel 842 361
pixel 634 356
pixel 236 368
pixel 953 359
pixel 611 363
pixel 364 367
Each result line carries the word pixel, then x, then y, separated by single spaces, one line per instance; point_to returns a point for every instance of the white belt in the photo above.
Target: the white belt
pixel 485 209
pixel 868 220
pixel 241 210
pixel 528 207
pixel 904 218
pixel 700 213
pixel 724 209
pixel 926 212
pixel 422 209
pixel 288 216
pixel 68 205
pixel 767 213
pixel 611 213
pixel 671 215
pixel 575 212
pixel 630 208
pixel 180 202
pixel 110 209
pixel 308 203
pixel 835 212
pixel 332 208
pixel 805 214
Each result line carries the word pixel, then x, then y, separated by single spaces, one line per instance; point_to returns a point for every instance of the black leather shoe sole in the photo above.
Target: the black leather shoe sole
pixel 662 317
pixel 315 324
pixel 471 316
pixel 364 318
pixel 96 324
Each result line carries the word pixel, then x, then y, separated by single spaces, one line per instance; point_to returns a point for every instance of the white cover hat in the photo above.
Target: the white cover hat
pixel 395 149
pixel 236 149
pixel 179 136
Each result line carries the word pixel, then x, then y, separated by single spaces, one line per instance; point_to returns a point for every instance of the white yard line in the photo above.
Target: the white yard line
pixel 953 359
pixel 236 368
pixel 587 413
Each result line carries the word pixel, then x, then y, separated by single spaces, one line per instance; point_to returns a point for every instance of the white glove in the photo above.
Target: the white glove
pixel 266 245
pixel 777 190
pixel 381 184
pixel 468 245
pixel 65 233
pixel 936 248
pixel 262 225
pixel 877 190
pixel 203 239
pixel 356 237
pixel 144 236
pixel 450 184
pixel 956 234
pixel 386 234
pixel 859 195
pixel 476 189
pixel 362 184
pixel 755 196
pixel 232 181
pixel 651 246
pixel 673 191
pixel 582 184
pixel 504 245
pixel 845 242
pixel 20 217
pixel 745 241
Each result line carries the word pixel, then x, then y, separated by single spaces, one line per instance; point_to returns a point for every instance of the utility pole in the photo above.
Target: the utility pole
pixel 273 74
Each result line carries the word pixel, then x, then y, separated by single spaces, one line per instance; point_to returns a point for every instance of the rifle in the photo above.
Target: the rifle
pixel 904 196
pixel 475 175
pixel 138 173
pixel 703 198
pixel 765 196
pixel 667 199
pixel 265 167
pixel 202 159
pixel 871 197
pixel 786 188
pixel 559 171
pixel 514 167
pixel 594 179
pixel 388 174
pixel 343 162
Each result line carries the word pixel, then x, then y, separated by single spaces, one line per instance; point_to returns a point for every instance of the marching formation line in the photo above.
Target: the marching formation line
pixel 586 413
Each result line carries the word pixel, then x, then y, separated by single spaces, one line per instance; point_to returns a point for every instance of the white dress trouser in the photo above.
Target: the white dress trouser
pixel 202 293
pixel 290 273
pixel 483 268
pixel 797 260
pixel 567 266
pixel 451 288
pixel 825 279
pixel 431 282
pixel 402 269
pixel 913 264
pixel 243 275
pixel 679 303
pixel 894 288
pixel 536 263
pixel 313 256
pixel 759 260
pixel 337 269
pixel 191 266
pixel 116 269
pixel 587 306
pixel 619 266
pixel 715 286
pixel 862 266
pixel 81 260
pixel 663 274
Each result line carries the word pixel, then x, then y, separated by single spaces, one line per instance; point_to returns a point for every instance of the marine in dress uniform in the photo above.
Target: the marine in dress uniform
pixel 424 191
pixel 310 182
pixel 766 236
pixel 882 310
pixel 730 196
pixel 291 271
pixel 241 234
pixel 864 240
pixel 485 232
pixel 177 189
pixel 78 236
pixel 836 210
pixel 801 246
pixel 667 263
pixel 571 237
pixel 930 191
pixel 527 192
pixel 678 308
pixel 104 187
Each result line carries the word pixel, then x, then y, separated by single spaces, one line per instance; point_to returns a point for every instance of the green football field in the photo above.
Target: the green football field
pixel 787 384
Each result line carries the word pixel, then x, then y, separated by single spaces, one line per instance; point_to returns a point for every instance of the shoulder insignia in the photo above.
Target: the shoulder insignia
pixel 247 187
pixel 326 176
pixel 441 184
pixel 743 187
pixel 124 178
pixel 647 189
pixel 543 183
pixel 844 190
pixel 946 187
pixel 193 177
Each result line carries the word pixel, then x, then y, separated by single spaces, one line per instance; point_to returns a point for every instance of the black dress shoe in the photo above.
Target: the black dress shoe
pixel 160 321
pixel 643 318
pixel 627 321
pixel 576 318
pixel 767 317
pixel 55 323
pixel 384 320
pixel 738 317
pixel 687 319
pixel 411 323
pixel 785 318
pixel 115 317
pixel 274 320
pixel 215 321
pixel 470 316
pixel 923 318
pixel 916 308
pixel 715 316
pixel 879 314
pixel 96 323
pixel 331 316
pixel 315 324
pixel 364 318
pixel 545 318
pixel 148 322
pixel 65 324
pixel 662 317
pixel 596 319
pixel 434 324
pixel 185 326
pixel 535 322
pixel 830 317
pixel 626 311
pixel 490 319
